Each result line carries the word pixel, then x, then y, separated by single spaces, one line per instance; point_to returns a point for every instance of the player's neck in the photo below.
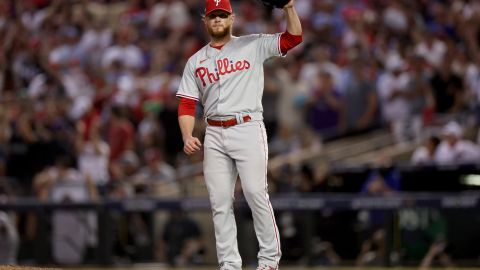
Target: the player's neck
pixel 216 42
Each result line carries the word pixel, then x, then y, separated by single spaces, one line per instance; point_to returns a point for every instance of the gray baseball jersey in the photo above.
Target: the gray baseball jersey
pixel 229 83
pixel 230 80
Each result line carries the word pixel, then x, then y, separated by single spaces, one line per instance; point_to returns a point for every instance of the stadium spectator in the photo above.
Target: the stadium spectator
pixel 319 61
pixel 150 132
pixel 284 142
pixel 9 240
pixel 372 251
pixel 431 49
pixel 169 117
pixel 379 183
pixel 315 249
pixel 31 139
pixel 425 154
pixel 419 96
pixel 473 76
pixel 453 149
pixel 182 242
pixel 323 253
pixel 292 94
pixel 93 151
pixel 437 254
pixel 96 37
pixel 393 94
pixel 120 136
pixel 270 103
pixel 124 50
pixel 5 134
pixel 325 113
pixel 135 13
pixel 291 227
pixel 64 184
pixel 448 89
pixel 157 178
pixel 169 16
pixel 360 98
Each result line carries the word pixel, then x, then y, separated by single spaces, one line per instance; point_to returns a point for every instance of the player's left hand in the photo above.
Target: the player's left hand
pixel 191 145
pixel 290 4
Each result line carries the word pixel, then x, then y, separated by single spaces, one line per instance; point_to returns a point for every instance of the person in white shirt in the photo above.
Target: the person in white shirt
pixel 124 50
pixel 72 232
pixel 453 149
pixel 9 239
pixel 425 154
pixel 393 92
pixel 93 158
pixel 432 49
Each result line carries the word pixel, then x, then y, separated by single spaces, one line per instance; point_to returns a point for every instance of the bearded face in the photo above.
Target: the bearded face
pixel 219 24
pixel 219 32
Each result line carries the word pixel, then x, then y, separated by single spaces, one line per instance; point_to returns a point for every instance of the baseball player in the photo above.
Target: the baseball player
pixel 226 76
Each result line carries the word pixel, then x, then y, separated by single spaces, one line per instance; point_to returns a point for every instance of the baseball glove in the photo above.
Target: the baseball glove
pixel 274 3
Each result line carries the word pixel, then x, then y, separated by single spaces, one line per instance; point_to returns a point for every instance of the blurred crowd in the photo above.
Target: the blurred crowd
pixel 90 84
pixel 87 88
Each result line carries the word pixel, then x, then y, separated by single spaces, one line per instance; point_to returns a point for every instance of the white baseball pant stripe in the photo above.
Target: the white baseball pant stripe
pixel 229 152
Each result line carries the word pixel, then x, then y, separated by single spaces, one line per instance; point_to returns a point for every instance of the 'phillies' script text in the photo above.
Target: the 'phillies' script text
pixel 224 66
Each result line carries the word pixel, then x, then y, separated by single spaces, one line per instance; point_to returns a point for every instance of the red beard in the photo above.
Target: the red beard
pixel 219 35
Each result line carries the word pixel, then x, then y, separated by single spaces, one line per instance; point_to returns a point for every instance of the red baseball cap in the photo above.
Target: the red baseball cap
pixel 212 5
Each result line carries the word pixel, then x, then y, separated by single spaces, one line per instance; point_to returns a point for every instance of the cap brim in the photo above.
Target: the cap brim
pixel 222 9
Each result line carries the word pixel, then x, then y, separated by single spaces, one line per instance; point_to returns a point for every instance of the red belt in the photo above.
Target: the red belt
pixel 227 123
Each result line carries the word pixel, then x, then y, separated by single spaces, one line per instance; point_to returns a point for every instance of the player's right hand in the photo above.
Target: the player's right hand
pixel 290 4
pixel 191 145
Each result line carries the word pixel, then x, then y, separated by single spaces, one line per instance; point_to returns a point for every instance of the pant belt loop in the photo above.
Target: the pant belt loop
pixel 239 118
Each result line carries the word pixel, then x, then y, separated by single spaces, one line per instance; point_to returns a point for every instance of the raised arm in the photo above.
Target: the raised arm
pixel 294 26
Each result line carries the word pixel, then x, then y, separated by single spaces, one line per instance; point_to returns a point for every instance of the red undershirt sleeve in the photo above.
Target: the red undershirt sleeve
pixel 288 41
pixel 187 107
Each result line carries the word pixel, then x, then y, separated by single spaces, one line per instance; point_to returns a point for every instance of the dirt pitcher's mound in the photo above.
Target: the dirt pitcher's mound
pixel 19 267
